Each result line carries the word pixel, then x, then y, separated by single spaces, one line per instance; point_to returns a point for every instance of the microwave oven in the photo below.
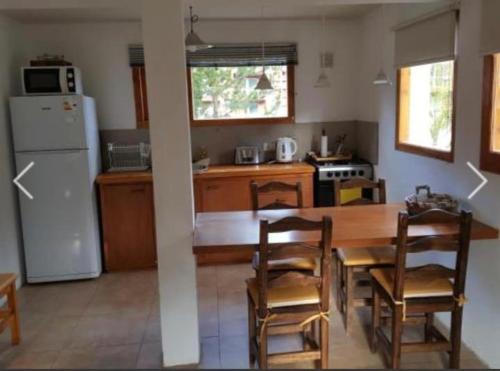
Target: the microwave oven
pixel 51 80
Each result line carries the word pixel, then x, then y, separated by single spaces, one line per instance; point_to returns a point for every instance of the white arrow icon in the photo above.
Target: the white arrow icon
pixel 483 178
pixel 19 176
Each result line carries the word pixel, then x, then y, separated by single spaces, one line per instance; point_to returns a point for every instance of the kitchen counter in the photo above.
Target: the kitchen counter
pixel 223 171
pixel 214 171
pixel 125 177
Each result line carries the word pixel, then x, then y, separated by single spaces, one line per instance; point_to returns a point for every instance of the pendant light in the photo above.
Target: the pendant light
pixel 193 41
pixel 381 78
pixel 264 83
pixel 322 81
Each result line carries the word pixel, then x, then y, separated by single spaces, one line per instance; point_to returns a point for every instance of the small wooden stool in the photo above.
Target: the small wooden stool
pixel 10 316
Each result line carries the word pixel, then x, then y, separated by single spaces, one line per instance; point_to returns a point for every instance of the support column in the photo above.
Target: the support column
pixel 163 37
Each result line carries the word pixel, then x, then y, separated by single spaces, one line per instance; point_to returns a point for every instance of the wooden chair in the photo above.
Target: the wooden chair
pixel 353 264
pixel 423 290
pixel 10 316
pixel 276 187
pixel 292 302
pixel 300 264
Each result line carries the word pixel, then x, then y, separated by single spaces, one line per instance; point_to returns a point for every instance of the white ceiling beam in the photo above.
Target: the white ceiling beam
pixel 107 4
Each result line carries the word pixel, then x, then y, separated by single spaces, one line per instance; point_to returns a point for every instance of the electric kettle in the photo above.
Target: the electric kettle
pixel 286 148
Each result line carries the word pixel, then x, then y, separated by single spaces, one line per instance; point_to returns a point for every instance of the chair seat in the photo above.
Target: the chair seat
pixel 297 264
pixel 278 297
pixel 417 286
pixel 367 256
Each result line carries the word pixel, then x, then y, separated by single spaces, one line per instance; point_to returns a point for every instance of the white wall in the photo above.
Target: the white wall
pixel 403 171
pixel 10 241
pixel 336 103
pixel 101 51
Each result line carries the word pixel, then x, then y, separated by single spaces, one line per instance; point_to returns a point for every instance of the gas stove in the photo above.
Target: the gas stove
pixel 343 170
pixel 327 172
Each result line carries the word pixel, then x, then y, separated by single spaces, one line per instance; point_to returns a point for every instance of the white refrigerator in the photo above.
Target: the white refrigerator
pixel 60 228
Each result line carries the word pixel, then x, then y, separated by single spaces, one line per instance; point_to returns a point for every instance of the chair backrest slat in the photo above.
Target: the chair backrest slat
pixel 363 184
pixel 296 250
pixel 434 216
pixel 294 278
pixel 458 243
pixel 437 243
pixel 295 223
pixel 431 270
pixel 276 187
pixel 267 252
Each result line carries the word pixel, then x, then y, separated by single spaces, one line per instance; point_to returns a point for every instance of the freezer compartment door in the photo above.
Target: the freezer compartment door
pixel 60 230
pixel 48 123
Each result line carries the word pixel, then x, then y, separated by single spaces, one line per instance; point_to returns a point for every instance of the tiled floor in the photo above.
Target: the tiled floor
pixel 113 322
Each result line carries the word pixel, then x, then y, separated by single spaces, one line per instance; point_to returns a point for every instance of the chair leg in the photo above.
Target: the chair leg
pixel 339 275
pixel 15 333
pixel 306 333
pixel 251 332
pixel 456 337
pixel 429 322
pixel 376 312
pixel 263 347
pixel 324 339
pixel 397 331
pixel 349 291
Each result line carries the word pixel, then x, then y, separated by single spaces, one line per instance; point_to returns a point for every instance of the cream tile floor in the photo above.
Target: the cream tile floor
pixel 113 322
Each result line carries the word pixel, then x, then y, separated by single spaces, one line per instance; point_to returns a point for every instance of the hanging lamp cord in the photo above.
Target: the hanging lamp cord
pixel 263 44
pixel 193 18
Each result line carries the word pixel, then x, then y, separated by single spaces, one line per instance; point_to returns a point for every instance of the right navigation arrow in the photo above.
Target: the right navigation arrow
pixel 481 176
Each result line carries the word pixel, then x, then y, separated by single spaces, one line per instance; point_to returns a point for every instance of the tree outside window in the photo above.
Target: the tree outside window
pixel 225 93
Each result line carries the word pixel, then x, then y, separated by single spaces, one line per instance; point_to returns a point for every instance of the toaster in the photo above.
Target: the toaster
pixel 248 155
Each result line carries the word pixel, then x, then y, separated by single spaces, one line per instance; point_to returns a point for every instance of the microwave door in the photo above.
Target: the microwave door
pixel 42 81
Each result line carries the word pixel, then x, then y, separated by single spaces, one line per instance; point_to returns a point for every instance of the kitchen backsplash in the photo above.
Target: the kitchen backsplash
pixel 120 136
pixel 219 142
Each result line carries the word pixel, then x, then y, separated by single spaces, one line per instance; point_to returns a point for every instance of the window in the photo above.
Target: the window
pixel 490 142
pixel 227 95
pixel 425 111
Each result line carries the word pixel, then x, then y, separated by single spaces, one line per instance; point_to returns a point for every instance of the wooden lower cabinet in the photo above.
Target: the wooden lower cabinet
pixel 233 193
pixel 128 226
pixel 227 188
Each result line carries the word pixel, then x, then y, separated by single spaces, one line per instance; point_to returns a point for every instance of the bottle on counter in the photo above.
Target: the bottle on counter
pixel 324 144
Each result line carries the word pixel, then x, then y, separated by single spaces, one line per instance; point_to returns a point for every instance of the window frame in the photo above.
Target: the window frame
pixel 290 119
pixel 140 97
pixel 489 160
pixel 421 150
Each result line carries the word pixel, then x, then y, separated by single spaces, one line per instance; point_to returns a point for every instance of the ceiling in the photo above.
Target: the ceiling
pixel 66 11
pixel 206 9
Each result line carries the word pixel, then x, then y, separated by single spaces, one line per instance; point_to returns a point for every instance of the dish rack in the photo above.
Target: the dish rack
pixel 129 157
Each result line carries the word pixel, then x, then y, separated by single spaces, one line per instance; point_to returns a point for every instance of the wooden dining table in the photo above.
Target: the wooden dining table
pixel 354 226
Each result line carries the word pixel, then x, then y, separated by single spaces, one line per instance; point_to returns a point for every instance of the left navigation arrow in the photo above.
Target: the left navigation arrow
pixel 19 176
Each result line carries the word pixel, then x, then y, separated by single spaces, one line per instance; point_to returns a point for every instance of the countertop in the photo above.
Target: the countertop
pixel 125 177
pixel 214 171
pixel 222 171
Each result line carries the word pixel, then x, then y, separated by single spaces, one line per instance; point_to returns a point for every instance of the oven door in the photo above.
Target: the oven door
pixel 324 195
pixel 39 81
